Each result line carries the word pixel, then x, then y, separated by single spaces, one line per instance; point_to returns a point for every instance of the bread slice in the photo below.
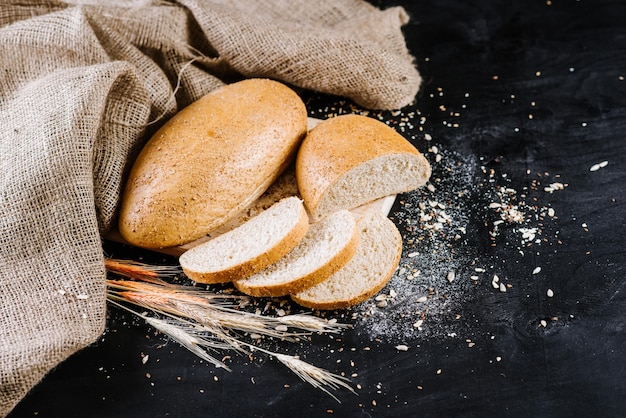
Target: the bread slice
pixel 365 274
pixel 250 247
pixel 327 246
pixel 350 160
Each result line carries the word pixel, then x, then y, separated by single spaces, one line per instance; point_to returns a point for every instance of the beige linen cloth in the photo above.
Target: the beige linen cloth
pixel 81 88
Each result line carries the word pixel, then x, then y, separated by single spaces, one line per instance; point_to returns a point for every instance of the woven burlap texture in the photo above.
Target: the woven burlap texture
pixel 84 84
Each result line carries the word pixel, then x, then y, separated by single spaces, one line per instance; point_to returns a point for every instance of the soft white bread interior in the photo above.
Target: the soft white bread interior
pixel 249 248
pixel 369 270
pixel 350 160
pixel 327 246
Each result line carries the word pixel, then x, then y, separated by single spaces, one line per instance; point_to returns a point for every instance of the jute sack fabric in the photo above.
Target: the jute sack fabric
pixel 82 86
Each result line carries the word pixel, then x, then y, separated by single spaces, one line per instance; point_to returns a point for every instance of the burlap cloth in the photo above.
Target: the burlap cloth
pixel 83 85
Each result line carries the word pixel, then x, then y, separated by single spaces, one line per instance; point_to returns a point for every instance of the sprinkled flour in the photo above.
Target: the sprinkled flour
pixel 433 277
pixel 442 265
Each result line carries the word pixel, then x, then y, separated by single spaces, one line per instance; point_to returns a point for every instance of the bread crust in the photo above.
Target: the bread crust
pixel 255 264
pixel 211 160
pixel 340 144
pixel 306 281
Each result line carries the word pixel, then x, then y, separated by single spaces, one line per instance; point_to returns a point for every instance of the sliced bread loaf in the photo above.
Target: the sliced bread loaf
pixel 350 160
pixel 327 246
pixel 249 248
pixel 365 274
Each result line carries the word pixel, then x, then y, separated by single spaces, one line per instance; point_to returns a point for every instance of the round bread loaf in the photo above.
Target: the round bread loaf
pixel 209 161
pixel 350 160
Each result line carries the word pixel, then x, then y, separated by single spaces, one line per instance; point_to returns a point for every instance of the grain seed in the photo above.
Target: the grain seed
pixel 536 270
pixel 550 293
pixel 554 187
pixel 598 166
pixel 494 282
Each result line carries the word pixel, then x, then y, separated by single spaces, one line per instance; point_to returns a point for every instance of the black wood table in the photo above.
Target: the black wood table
pixel 509 299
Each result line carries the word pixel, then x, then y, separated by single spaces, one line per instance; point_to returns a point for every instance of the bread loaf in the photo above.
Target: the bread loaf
pixel 369 270
pixel 211 160
pixel 327 246
pixel 249 248
pixel 350 160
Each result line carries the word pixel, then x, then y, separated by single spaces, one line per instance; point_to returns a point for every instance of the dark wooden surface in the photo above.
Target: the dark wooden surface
pixel 520 95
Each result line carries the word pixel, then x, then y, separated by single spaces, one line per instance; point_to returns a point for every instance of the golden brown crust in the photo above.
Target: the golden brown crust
pixel 210 161
pixel 339 144
pixel 304 282
pixel 258 263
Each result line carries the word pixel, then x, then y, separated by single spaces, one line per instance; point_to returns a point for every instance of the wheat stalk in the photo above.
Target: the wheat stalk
pixel 203 321
pixel 318 378
pixel 315 376
pixel 183 332
pixel 140 271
